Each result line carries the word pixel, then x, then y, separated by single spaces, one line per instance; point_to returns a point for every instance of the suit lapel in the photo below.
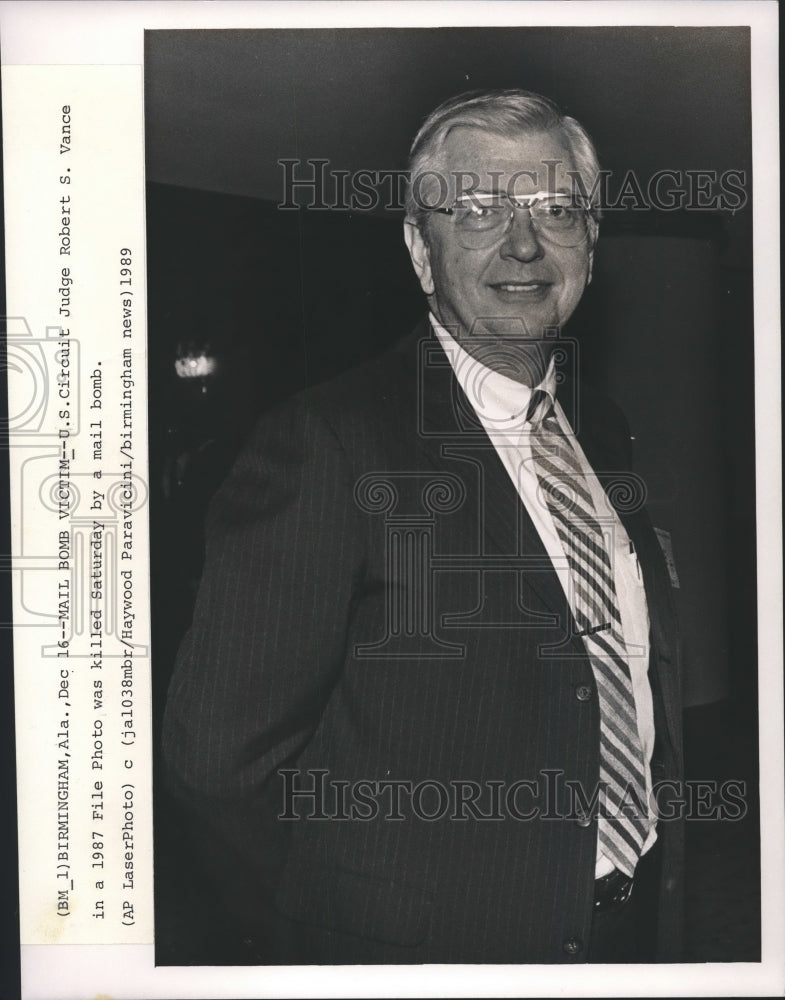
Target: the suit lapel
pixel 449 429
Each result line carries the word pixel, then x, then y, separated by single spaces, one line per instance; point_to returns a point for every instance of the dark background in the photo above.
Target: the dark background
pixel 281 300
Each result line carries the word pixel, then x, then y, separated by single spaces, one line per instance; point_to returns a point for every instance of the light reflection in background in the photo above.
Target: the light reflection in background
pixel 195 366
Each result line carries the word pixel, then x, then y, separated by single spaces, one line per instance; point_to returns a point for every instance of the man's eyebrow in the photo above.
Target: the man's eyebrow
pixel 483 193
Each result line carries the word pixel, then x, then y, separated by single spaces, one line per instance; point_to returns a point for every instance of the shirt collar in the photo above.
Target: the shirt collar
pixel 499 401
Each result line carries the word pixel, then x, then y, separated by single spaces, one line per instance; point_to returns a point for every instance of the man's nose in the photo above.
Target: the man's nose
pixel 521 240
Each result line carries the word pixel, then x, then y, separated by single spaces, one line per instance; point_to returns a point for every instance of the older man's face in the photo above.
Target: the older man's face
pixel 523 282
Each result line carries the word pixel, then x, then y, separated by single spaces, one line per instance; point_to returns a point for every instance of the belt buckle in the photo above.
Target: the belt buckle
pixel 612 891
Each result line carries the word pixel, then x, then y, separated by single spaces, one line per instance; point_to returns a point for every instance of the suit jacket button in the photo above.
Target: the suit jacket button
pixel 584 820
pixel 573 946
pixel 583 692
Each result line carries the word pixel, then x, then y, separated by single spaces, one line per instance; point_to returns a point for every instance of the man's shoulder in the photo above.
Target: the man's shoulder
pixel 598 421
pixel 376 392
pixel 599 408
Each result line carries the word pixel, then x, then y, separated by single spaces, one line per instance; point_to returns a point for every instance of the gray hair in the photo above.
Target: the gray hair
pixel 506 113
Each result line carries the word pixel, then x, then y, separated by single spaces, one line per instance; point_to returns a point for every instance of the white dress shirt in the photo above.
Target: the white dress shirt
pixel 500 404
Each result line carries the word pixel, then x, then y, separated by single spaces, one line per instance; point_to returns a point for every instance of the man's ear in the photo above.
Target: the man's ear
pixel 420 255
pixel 594 232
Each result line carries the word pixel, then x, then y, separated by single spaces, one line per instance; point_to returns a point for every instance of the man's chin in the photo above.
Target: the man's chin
pixel 508 328
pixel 510 347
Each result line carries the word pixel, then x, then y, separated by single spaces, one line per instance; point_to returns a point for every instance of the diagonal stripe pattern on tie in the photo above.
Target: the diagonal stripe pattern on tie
pixel 595 608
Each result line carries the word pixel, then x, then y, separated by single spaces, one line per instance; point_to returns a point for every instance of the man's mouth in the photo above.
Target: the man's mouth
pixel 520 287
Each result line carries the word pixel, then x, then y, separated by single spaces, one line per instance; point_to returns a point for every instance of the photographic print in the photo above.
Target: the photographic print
pixel 386 414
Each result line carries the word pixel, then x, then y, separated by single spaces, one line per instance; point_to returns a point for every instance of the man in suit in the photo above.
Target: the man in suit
pixel 431 686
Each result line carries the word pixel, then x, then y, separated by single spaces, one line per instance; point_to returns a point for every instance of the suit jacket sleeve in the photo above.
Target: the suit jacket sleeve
pixel 284 553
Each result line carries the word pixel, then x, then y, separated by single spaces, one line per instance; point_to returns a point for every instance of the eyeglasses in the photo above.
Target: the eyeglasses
pixel 481 219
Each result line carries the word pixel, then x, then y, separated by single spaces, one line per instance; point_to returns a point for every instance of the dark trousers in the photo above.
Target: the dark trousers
pixel 629 933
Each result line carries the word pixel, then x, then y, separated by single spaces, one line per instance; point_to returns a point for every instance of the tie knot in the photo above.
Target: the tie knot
pixel 540 405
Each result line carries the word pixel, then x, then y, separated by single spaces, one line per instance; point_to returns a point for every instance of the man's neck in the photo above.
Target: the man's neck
pixel 512 352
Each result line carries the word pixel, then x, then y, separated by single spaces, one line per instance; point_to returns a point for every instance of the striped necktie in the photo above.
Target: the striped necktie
pixel 622 832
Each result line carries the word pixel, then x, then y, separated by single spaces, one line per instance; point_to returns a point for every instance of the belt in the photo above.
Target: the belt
pixel 612 891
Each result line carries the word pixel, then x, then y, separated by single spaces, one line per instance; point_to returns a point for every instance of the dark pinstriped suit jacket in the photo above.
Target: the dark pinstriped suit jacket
pixel 299 658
